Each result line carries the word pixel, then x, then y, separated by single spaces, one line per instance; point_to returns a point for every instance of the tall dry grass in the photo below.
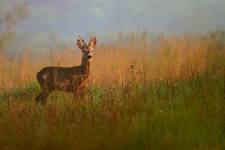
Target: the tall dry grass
pixel 145 93
pixel 161 58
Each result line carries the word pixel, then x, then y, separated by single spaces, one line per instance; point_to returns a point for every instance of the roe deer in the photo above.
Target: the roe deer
pixel 67 79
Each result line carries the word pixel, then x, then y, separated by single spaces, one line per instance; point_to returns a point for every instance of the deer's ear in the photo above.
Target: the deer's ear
pixel 80 43
pixel 93 42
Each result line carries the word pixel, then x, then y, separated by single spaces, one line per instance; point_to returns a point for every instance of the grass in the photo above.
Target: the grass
pixel 157 104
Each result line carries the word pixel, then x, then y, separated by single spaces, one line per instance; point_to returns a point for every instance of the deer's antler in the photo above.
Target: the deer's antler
pixel 82 40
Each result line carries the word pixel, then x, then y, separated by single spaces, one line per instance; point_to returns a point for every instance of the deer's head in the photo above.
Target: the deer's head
pixel 87 49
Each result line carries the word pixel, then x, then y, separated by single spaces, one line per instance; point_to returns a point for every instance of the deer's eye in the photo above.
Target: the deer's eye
pixel 85 50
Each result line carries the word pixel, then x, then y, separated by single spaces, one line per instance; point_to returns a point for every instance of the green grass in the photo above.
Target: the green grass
pixel 187 114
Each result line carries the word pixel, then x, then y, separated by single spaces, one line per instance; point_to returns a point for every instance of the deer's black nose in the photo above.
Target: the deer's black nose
pixel 89 57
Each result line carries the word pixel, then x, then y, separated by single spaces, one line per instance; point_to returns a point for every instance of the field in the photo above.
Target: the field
pixel 166 92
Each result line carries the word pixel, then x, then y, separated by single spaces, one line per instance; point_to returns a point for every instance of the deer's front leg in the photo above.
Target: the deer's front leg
pixel 76 84
pixel 79 91
pixel 75 92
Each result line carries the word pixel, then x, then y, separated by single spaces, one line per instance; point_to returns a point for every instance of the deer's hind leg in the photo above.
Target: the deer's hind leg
pixel 45 89
pixel 42 97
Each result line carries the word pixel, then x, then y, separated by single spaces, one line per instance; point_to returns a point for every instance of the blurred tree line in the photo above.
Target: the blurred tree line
pixel 8 20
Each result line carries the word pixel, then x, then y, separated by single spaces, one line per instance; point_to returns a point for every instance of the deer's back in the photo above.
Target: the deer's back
pixel 61 78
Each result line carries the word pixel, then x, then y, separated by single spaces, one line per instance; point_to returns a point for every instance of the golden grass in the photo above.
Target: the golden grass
pixel 161 59
pixel 165 93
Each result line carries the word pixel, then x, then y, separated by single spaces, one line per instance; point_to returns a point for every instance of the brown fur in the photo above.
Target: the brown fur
pixel 67 79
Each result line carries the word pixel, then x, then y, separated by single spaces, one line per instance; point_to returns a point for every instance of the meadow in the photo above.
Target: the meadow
pixel 163 92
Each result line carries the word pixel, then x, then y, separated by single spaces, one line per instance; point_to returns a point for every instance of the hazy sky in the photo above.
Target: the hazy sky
pixel 67 17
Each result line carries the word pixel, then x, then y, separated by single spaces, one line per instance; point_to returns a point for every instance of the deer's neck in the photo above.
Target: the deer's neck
pixel 85 67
